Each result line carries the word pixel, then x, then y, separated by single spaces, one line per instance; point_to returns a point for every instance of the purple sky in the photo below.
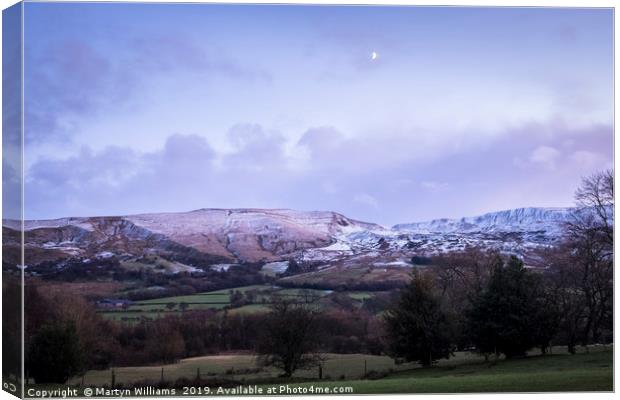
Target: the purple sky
pixel 136 108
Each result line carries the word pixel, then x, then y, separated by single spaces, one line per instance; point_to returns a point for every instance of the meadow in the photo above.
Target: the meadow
pixel 256 302
pixel 541 373
pixel 366 374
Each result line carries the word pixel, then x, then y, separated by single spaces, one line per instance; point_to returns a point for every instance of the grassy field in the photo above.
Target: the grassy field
pixel 250 309
pixel 360 295
pixel 159 307
pixel 243 366
pixel 216 300
pixel 581 372
pixel 466 372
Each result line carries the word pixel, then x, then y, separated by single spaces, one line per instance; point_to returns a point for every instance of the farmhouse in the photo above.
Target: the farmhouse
pixel 114 303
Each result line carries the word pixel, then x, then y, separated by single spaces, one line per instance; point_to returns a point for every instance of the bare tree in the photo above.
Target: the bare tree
pixel 582 268
pixel 595 207
pixel 290 337
pixel 164 341
pixel 563 278
pixel 463 274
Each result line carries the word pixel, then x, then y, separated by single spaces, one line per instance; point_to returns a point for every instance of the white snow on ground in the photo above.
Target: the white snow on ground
pixel 177 267
pixel 248 220
pixel 221 267
pixel 104 254
pixel 277 267
pixel 283 233
pixel 338 246
pixel 517 220
pixel 49 223
pixel 398 263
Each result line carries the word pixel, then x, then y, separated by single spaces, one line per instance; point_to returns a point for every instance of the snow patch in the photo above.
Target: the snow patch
pixel 398 263
pixel 104 254
pixel 277 267
pixel 221 267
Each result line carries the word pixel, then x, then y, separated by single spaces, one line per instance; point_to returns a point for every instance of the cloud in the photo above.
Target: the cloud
pixel 74 79
pixel 119 179
pixel 166 53
pixel 296 115
pixel 187 150
pixel 255 148
pixel 322 140
pixel 69 79
pixel 328 147
pixel 329 187
pixel 545 155
pixel 434 186
pixel 11 192
pixel 260 169
pixel 589 160
pixel 366 199
pixel 113 166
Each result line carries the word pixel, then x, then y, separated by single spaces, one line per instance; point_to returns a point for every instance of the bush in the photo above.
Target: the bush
pixel 55 354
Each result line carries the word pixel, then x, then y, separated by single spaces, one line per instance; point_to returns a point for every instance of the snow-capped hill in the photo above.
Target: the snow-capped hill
pixel 230 234
pixel 225 236
pixel 531 219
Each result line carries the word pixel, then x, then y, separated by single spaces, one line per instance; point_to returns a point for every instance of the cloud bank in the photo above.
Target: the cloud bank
pixel 148 108
pixel 368 179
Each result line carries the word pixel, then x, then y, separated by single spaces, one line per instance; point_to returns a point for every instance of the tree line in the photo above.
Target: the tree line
pixel 65 336
pixel 482 301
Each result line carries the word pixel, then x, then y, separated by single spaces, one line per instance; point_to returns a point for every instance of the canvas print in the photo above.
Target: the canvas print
pixel 233 199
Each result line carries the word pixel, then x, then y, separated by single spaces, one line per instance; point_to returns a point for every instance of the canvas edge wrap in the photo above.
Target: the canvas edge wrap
pixel 12 201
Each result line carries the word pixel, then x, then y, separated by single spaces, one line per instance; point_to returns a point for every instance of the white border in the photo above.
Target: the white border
pixel 484 3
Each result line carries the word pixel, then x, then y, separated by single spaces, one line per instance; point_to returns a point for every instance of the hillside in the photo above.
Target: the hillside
pixel 530 219
pixel 215 237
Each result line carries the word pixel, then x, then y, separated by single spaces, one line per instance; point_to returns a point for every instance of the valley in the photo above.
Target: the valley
pixel 160 256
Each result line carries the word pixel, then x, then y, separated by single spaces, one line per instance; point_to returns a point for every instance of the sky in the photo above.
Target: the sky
pixel 134 108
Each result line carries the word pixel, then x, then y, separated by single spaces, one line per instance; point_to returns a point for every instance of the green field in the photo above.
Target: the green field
pixel 466 372
pixel 216 300
pixel 360 295
pixel 581 372
pixel 302 292
pixel 250 309
pixel 159 307
pixel 243 366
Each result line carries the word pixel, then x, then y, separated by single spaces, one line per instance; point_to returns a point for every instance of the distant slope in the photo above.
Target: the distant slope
pixel 208 237
pixel 221 234
pixel 530 219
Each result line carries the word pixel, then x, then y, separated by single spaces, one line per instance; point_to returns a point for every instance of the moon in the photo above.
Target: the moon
pixel 374 55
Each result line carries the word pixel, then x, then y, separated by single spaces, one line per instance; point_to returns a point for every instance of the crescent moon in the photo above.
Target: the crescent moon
pixel 374 55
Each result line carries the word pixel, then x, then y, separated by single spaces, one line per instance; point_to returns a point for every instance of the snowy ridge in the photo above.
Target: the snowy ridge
pixel 529 219
pixel 221 237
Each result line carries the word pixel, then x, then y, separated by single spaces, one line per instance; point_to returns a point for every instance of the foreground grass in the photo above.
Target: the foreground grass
pixel 549 373
pixel 242 367
pixel 465 373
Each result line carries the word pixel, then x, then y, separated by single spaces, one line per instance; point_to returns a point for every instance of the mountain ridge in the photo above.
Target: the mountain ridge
pixel 207 236
pixel 516 219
